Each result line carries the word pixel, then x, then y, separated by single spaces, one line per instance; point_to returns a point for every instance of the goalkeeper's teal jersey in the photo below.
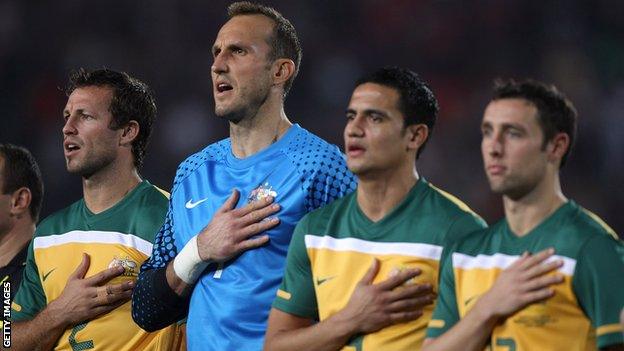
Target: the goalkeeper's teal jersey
pixel 584 312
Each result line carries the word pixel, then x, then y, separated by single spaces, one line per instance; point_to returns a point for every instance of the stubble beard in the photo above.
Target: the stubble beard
pixel 246 105
pixel 513 188
pixel 90 165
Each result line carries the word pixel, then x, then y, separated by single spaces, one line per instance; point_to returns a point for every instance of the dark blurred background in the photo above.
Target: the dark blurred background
pixel 460 47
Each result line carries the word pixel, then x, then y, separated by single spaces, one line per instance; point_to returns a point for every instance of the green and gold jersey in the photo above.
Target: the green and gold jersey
pixel 584 312
pixel 333 247
pixel 121 235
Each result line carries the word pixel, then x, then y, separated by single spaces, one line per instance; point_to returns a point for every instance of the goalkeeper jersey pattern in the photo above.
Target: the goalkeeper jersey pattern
pixel 333 247
pixel 230 303
pixel 584 312
pixel 121 235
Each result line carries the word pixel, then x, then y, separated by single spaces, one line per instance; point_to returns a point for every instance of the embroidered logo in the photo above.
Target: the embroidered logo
pixel 320 281
pixel 261 192
pixel 45 276
pixel 130 267
pixel 190 204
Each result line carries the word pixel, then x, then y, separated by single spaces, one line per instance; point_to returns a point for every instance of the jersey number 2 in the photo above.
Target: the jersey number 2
pixel 506 342
pixel 79 345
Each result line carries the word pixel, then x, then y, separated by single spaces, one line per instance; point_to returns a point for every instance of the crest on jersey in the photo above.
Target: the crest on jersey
pixel 261 192
pixel 130 267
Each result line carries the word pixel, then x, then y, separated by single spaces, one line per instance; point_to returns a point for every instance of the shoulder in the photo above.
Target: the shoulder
pixel 51 223
pixel 589 224
pixel 584 233
pixel 337 207
pixel 449 205
pixel 212 153
pixel 308 151
pixel 477 242
pixel 152 199
pixel 580 229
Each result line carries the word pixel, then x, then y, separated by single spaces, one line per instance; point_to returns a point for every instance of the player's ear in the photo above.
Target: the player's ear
pixel 283 70
pixel 558 146
pixel 129 132
pixel 20 201
pixel 416 135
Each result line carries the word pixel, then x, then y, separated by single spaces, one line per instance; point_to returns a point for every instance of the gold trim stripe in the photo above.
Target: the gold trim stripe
pixel 608 329
pixel 283 294
pixel 436 323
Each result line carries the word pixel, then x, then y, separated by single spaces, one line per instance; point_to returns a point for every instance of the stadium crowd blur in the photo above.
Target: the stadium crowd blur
pixel 458 46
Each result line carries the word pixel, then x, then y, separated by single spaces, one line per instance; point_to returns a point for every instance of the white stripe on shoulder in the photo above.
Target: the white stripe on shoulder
pixel 428 251
pixel 503 261
pixel 94 236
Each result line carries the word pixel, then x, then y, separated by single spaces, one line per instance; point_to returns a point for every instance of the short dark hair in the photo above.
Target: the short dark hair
pixel 416 99
pixel 284 42
pixel 555 112
pixel 132 100
pixel 21 170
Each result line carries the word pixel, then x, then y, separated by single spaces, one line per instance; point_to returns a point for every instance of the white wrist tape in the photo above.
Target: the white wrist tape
pixel 187 264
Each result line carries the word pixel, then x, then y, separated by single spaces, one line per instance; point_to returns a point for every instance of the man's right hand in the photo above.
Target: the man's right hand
pixel 392 301
pixel 231 229
pixel 86 298
pixel 526 281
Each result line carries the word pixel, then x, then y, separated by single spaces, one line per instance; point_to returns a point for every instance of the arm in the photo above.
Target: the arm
pixel 371 307
pixel 597 283
pixel 524 282
pixel 82 299
pixel 167 278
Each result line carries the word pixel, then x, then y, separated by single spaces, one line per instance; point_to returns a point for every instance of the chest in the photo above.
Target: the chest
pixel 200 195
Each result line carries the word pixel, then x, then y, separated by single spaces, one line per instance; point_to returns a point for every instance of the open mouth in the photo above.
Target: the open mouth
pixel 223 87
pixel 71 147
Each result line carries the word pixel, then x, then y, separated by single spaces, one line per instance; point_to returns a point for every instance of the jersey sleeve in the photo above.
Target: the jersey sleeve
pixel 30 298
pixel 598 285
pixel 464 224
pixel 154 304
pixel 330 179
pixel 296 293
pixel 445 314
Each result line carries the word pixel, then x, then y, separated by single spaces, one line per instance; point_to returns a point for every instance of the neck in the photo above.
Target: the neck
pixel 15 239
pixel 108 186
pixel 379 194
pixel 526 213
pixel 254 133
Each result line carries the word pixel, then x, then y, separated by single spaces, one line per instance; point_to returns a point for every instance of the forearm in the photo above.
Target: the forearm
pixel 330 334
pixel 177 285
pixel 40 333
pixel 156 302
pixel 471 333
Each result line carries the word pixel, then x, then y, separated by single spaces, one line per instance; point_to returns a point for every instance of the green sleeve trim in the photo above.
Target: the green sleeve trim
pixel 30 298
pixel 445 314
pixel 296 294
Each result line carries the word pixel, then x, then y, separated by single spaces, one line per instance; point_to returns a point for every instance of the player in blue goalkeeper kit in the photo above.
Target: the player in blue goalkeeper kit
pixel 220 255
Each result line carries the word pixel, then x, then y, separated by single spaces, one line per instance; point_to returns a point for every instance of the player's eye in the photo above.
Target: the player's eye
pixel 375 117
